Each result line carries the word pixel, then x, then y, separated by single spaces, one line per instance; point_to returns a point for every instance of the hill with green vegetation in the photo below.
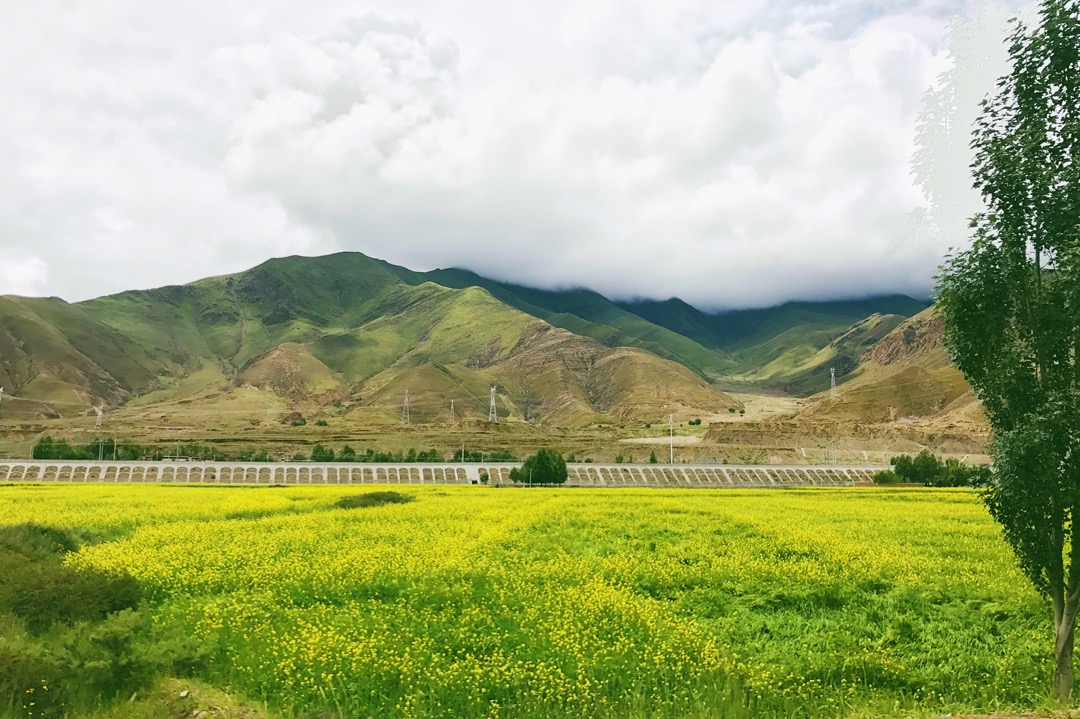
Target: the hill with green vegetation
pixel 585 313
pixel 357 333
pixel 343 329
pixel 791 347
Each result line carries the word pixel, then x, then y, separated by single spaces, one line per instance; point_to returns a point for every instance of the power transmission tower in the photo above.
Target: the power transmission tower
pixel 99 410
pixel 493 414
pixel 832 381
pixel 451 410
pixel 405 409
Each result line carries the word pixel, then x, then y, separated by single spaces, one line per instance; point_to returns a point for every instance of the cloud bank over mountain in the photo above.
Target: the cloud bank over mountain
pixel 734 155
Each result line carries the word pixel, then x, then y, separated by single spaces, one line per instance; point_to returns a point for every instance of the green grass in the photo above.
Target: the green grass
pixel 478 601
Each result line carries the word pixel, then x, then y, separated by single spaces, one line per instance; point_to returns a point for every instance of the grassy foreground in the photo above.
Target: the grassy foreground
pixel 483 602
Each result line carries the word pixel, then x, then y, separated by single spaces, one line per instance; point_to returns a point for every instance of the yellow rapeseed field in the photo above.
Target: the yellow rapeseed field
pixel 485 602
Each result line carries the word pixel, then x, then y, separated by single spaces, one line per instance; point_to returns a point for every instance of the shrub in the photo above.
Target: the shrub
pixel 887 476
pixel 544 467
pixel 320 453
pixel 299 422
pixel 41 590
pixel 72 670
pixel 321 423
pixel 373 499
pixel 652 457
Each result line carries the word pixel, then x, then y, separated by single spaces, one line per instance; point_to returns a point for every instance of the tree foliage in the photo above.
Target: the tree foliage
pixel 544 467
pixel 1011 307
pixel 926 469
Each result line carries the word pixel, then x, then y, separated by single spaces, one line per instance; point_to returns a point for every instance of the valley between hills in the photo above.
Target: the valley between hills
pixel 299 351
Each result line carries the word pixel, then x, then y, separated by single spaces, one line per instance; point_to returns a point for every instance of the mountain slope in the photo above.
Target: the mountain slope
pixel 342 329
pixel 583 312
pixel 906 376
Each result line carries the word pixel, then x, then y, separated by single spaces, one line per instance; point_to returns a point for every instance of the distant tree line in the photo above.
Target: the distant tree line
pixel 60 449
pixel 926 469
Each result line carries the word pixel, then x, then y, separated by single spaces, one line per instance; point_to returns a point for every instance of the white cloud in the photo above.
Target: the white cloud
pixel 24 275
pixel 734 155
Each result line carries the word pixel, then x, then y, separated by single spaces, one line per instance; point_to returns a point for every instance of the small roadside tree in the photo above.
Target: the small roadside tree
pixel 1011 309
pixel 544 467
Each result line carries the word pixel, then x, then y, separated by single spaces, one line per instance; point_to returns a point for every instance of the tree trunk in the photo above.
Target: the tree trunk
pixel 1063 659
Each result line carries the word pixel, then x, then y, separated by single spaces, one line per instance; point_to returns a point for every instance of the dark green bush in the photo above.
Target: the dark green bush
pixel 887 476
pixel 544 467
pixel 373 499
pixel 71 639
pixel 320 453
pixel 73 670
pixel 41 590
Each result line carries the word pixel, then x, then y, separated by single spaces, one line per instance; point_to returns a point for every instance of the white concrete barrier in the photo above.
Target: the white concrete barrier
pixel 581 475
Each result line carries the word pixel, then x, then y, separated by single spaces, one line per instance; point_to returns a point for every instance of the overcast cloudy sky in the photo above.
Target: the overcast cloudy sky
pixel 733 153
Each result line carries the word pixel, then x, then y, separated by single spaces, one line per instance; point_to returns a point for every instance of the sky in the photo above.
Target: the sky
pixel 733 154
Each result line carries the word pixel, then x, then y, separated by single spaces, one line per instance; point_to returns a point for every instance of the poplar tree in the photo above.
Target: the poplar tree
pixel 1011 309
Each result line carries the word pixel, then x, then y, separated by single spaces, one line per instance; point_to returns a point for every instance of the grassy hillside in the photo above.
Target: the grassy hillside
pixel 343 329
pixel 790 346
pixel 585 313
pixel 349 332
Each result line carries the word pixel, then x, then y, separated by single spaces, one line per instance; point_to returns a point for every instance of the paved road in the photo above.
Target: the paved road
pixel 583 475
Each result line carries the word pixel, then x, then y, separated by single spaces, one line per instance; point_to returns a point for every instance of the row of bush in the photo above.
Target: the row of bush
pixel 59 449
pixel 927 469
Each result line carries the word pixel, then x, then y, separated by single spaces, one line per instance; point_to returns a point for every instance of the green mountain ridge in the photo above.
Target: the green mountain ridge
pixel 359 332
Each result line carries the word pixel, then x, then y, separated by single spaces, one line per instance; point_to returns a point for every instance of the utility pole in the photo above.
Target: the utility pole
pixel 1 393
pixel 405 409
pixel 832 381
pixel 671 437
pixel 493 414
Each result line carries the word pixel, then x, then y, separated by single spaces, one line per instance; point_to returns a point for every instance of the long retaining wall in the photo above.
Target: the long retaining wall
pixel 580 475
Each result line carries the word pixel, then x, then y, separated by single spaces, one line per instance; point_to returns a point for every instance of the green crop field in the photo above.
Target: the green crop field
pixel 485 602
